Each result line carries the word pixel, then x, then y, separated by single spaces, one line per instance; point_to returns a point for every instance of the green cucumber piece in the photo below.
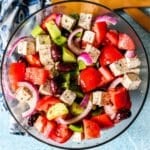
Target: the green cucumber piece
pixel 81 65
pixel 76 128
pixel 53 30
pixel 76 109
pixel 37 30
pixel 68 56
pixel 61 40
pixel 79 94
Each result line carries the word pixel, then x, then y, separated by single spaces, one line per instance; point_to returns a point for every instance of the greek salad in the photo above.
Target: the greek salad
pixel 73 76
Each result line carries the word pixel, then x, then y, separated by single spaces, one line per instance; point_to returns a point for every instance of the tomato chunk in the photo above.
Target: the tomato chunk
pixel 100 28
pixel 33 60
pixel 109 54
pixel 61 134
pixel 16 73
pixel 89 79
pixel 50 126
pixel 36 75
pixel 103 120
pixel 47 101
pixel 91 129
pixel 120 98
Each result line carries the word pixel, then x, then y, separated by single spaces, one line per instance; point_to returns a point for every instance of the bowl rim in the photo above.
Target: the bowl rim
pixel 147 87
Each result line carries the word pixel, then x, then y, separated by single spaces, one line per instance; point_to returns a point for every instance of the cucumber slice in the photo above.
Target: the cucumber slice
pixel 68 56
pixel 76 109
pixel 76 128
pixel 37 30
pixel 81 65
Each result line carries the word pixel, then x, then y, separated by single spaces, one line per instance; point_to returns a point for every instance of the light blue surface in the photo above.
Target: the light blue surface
pixel 137 137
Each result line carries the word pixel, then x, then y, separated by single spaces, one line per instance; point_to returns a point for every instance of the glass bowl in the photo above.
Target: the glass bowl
pixel 138 97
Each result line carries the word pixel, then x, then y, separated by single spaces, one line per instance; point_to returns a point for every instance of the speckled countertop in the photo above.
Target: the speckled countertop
pixel 136 137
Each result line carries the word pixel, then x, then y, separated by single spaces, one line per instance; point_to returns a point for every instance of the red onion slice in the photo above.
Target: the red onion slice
pixel 35 98
pixel 15 44
pixel 58 19
pixel 115 83
pixel 130 54
pixel 78 118
pixel 106 18
pixel 85 100
pixel 76 50
pixel 85 57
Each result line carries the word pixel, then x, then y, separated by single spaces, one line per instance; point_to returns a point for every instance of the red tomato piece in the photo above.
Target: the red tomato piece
pixel 16 73
pixel 109 54
pixel 50 126
pixel 91 129
pixel 120 98
pixel 103 120
pixel 40 124
pixel 33 60
pixel 47 101
pixel 36 75
pixel 125 42
pixel 89 79
pixel 112 37
pixel 47 19
pixel 61 134
pixel 100 29
pixel 106 73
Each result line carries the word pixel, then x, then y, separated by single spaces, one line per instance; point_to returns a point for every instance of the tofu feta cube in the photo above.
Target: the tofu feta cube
pixel 45 57
pixel 100 98
pixel 77 136
pixel 131 81
pixel 134 70
pixel 68 96
pixel 93 52
pixel 88 36
pixel 133 62
pixel 45 89
pixel 43 42
pixel 67 22
pixel 23 94
pixel 119 67
pixel 26 48
pixel 85 21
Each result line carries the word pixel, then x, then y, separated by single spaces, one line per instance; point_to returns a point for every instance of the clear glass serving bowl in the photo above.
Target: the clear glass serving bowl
pixel 138 97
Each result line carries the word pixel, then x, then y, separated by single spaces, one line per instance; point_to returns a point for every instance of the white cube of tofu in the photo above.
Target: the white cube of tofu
pixel 133 62
pixel 85 21
pixel 45 89
pixel 77 136
pixel 67 22
pixel 45 56
pixel 43 42
pixel 26 48
pixel 88 37
pixel 131 81
pixel 23 94
pixel 68 96
pixel 100 98
pixel 93 52
pixel 119 67
pixel 134 70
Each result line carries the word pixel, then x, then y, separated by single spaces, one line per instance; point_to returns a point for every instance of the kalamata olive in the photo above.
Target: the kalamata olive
pixel 65 67
pixel 56 89
pixel 22 59
pixel 32 119
pixel 122 114
pixel 56 53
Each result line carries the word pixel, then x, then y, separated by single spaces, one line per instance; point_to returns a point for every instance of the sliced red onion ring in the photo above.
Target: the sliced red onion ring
pixel 78 118
pixel 130 54
pixel 35 98
pixel 115 83
pixel 15 44
pixel 106 18
pixel 58 19
pixel 76 50
pixel 85 100
pixel 85 57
